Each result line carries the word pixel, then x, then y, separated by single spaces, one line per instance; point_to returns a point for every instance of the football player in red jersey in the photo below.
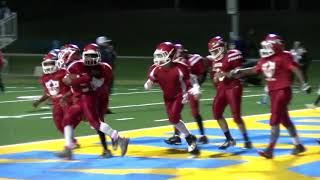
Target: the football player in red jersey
pixel 277 66
pixel 229 90
pixel 84 77
pixel 197 75
pixel 174 80
pixel 55 89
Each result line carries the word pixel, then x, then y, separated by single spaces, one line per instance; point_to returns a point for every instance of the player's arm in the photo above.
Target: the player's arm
pixel 76 79
pixel 36 103
pixel 151 78
pixel 304 85
pixel 238 72
pixel 192 83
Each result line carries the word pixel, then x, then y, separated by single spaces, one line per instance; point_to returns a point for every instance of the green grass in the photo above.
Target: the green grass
pixel 130 74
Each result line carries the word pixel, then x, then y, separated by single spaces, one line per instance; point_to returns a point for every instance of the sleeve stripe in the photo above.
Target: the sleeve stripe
pixel 183 85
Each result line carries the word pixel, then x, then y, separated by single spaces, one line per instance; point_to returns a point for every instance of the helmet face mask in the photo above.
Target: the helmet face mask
pixel 266 49
pixel 49 66
pixel 163 54
pixel 216 47
pixel 91 55
pixel 272 44
pixel 91 59
pixel 217 53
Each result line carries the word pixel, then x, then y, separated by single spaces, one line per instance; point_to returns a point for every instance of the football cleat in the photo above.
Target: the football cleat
pixel 203 140
pixel 106 154
pixel 75 144
pixel 123 144
pixel 174 140
pixel 227 144
pixel 114 144
pixel 192 146
pixel 311 106
pixel 266 153
pixel 65 154
pixel 318 140
pixel 247 145
pixel 298 149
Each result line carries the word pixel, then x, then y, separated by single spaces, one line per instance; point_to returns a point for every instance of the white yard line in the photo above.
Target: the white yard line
pixel 124 119
pixel 114 94
pixel 24 115
pixel 3 102
pixel 137 92
pixel 34 90
pixel 115 107
pixel 133 130
pixel 46 117
pixel 160 120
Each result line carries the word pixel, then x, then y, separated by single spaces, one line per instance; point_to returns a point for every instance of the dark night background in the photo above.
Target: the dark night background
pixel 136 26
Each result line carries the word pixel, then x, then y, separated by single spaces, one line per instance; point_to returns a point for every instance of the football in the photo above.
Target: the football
pixel 68 79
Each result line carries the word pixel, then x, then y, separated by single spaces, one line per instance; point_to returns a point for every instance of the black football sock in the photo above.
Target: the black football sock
pixel 102 137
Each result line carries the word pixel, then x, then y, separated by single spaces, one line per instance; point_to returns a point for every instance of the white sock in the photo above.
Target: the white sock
pixel 296 140
pixel 68 134
pixel 182 128
pixel 105 128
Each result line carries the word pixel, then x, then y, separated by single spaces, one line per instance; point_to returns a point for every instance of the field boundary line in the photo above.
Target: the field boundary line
pixel 133 130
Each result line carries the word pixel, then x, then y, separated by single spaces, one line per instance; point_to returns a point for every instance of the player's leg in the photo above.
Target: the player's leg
pixel 57 115
pixel 174 108
pixel 194 106
pixel 233 96
pixel 1 82
pixel 218 106
pixel 71 114
pixel 286 122
pixel 175 139
pixel 275 120
pixel 265 96
pixel 91 115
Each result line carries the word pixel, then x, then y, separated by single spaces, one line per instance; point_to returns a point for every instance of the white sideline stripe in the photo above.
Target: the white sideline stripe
pixel 3 102
pixel 45 107
pixel 10 87
pixel 133 130
pixel 138 92
pixel 46 117
pixel 31 87
pixel 25 115
pixel 117 107
pixel 35 55
pixel 159 120
pixel 136 105
pixel 24 91
pixel 133 89
pixel 124 119
pixel 115 94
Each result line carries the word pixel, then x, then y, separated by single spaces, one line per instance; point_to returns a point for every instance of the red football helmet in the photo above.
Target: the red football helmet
pixel 164 53
pixel 49 63
pixel 91 55
pixel 68 54
pixel 217 47
pixel 271 45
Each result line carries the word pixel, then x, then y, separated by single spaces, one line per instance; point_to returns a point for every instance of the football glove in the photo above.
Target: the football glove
pixel 185 98
pixel 234 72
pixel 306 88
pixel 148 85
pixel 195 91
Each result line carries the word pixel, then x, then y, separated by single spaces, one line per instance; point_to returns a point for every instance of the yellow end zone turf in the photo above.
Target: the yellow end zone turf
pixel 148 157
